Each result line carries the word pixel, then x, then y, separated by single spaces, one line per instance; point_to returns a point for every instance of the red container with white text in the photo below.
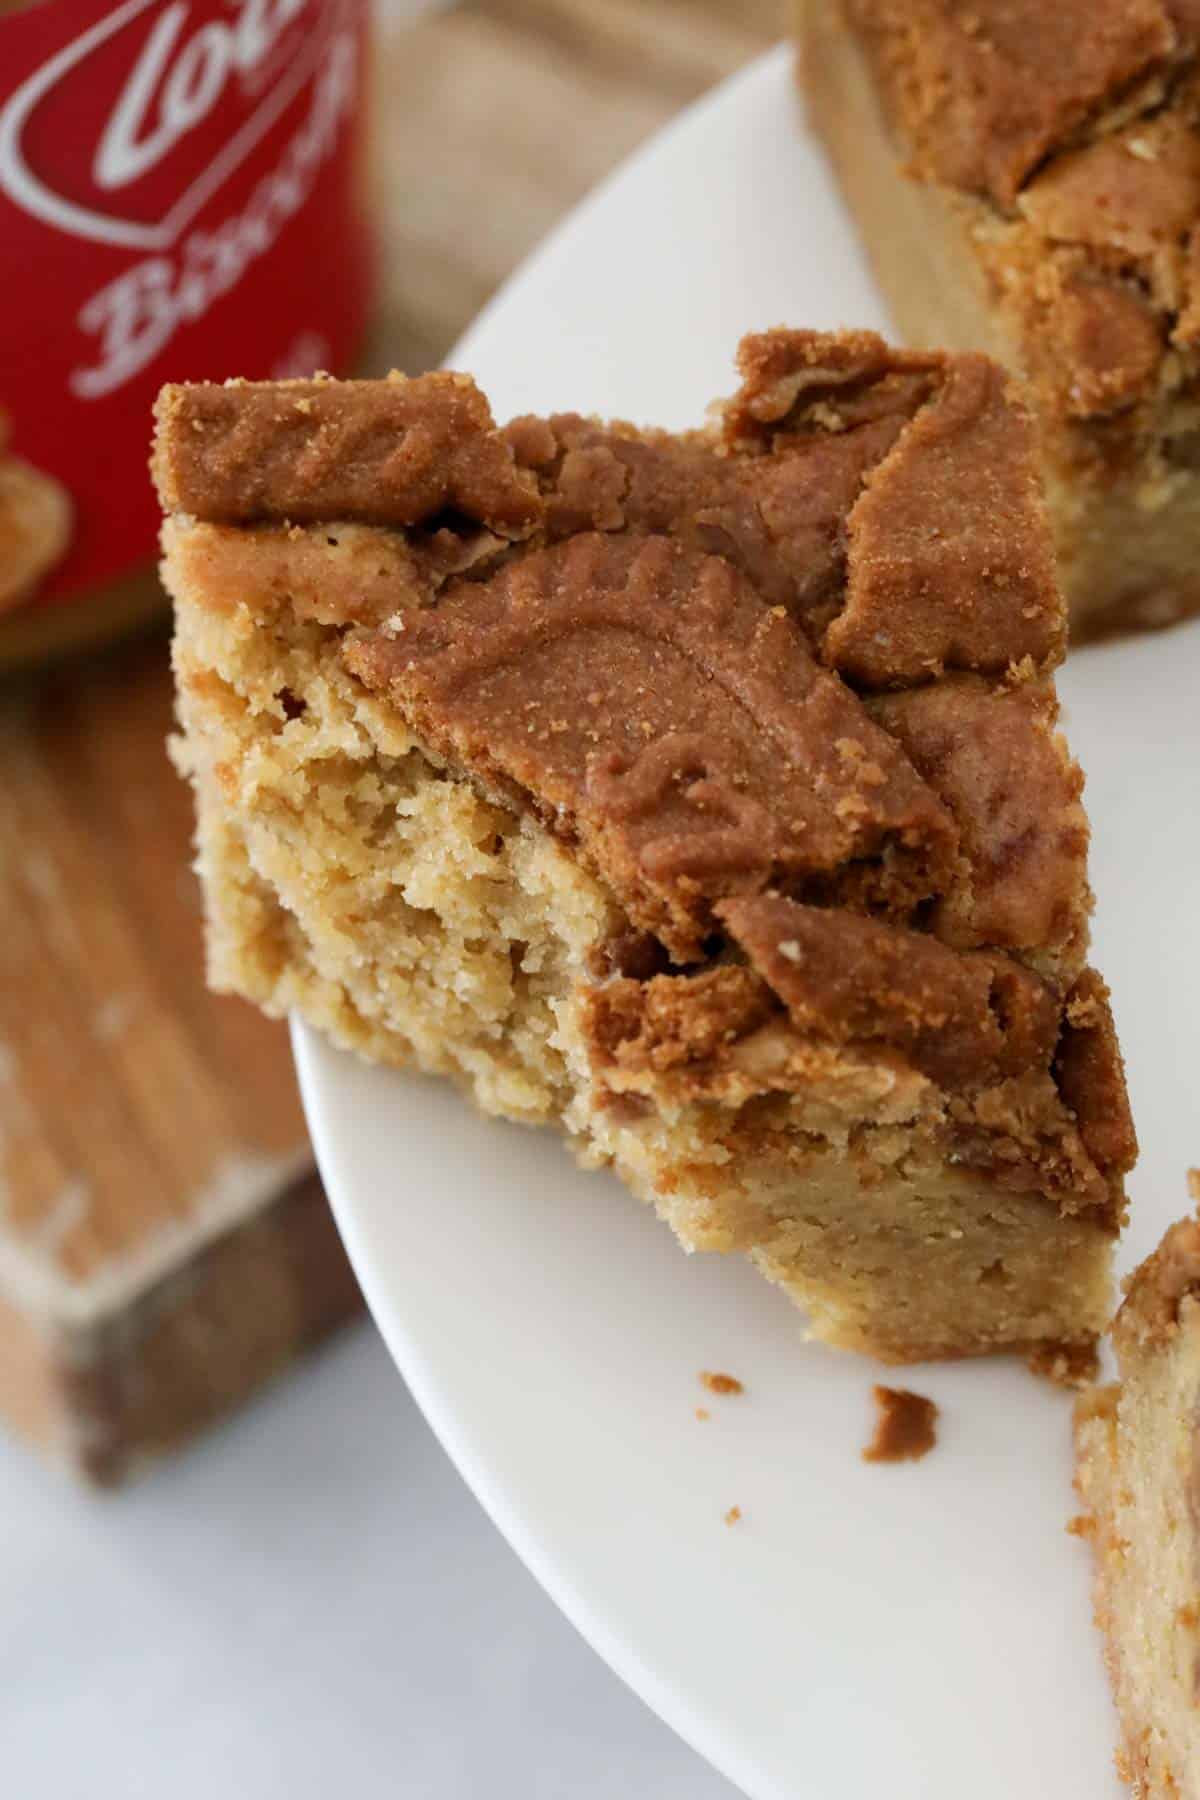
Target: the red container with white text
pixel 180 200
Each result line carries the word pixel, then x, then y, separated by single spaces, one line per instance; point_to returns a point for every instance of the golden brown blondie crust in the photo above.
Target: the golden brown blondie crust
pixel 1028 181
pixel 699 793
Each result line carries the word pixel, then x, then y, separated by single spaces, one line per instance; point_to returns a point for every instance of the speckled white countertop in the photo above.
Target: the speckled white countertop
pixel 308 1603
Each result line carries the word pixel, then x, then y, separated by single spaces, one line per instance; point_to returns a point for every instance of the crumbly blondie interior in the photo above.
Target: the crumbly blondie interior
pixel 1027 180
pixel 1138 1475
pixel 700 795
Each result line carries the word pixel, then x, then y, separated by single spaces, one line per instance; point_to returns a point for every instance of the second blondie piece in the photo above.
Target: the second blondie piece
pixel 1026 176
pixel 698 794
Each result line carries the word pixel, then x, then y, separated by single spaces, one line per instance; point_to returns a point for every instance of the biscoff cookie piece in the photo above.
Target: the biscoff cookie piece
pixel 1026 178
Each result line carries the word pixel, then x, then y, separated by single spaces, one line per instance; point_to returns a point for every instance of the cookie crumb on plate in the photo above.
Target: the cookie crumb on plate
pixel 905 1429
pixel 716 1383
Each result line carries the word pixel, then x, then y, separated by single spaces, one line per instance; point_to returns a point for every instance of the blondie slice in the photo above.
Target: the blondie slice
pixel 1027 180
pixel 1138 1474
pixel 698 794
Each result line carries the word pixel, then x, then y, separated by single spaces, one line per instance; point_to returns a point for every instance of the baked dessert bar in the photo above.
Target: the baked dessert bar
pixel 1138 1474
pixel 699 794
pixel 1026 177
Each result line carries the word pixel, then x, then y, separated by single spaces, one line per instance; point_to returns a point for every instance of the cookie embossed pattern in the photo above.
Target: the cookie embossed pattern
pixel 166 169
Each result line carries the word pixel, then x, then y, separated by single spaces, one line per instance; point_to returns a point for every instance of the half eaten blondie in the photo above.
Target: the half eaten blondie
pixel 1138 1474
pixel 698 794
pixel 1026 175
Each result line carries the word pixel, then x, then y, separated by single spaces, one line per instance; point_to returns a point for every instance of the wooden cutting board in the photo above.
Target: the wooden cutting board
pixel 164 1243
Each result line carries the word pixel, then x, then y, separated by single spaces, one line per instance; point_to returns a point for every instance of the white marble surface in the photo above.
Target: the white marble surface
pixel 308 1604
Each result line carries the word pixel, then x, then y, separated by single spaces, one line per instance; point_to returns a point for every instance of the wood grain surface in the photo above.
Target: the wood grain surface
pixel 152 1153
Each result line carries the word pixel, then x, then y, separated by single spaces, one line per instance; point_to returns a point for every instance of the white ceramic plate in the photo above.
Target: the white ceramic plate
pixel 921 1630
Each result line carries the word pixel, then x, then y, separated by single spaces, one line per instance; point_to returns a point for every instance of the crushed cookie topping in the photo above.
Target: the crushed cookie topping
pixel 781 684
pixel 1075 128
pixel 720 778
pixel 375 452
